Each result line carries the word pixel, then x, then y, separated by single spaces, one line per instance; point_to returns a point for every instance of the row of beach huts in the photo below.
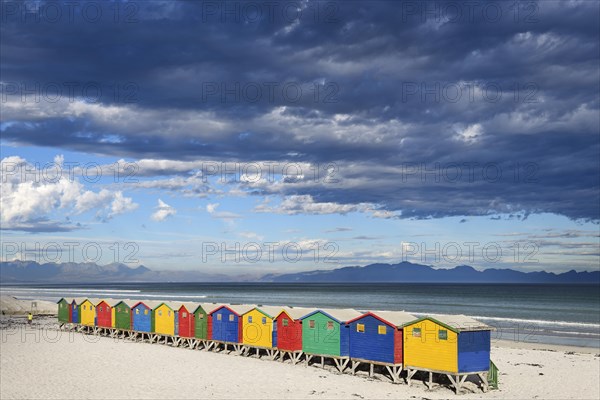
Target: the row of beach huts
pixel 455 346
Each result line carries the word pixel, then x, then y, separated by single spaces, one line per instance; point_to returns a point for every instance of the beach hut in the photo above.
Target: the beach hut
pixel 142 317
pixel 63 310
pixel 74 311
pixel 164 320
pixel 104 314
pixel 185 320
pixel 289 332
pixel 453 345
pixel 87 313
pixel 258 327
pixel 202 320
pixel 227 324
pixel 122 315
pixel 376 339
pixel 324 334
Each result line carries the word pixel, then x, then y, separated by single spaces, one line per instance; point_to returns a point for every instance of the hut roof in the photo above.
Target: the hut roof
pixel 191 307
pixel 239 309
pixel 149 303
pixel 208 307
pixel 456 323
pixel 127 302
pixel 271 311
pixel 395 318
pixel 295 312
pixel 339 314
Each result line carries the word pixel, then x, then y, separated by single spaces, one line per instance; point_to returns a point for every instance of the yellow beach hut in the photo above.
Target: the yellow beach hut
pixel 164 319
pixel 453 345
pixel 258 326
pixel 88 312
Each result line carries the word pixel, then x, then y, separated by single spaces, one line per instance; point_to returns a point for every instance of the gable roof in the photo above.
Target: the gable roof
pixel 127 302
pixel 238 309
pixel 208 307
pixel 295 313
pixel 148 303
pixel 455 323
pixel 191 307
pixel 392 318
pixel 269 311
pixel 340 315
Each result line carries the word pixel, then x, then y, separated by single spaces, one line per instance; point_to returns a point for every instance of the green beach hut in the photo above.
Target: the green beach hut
pixel 324 332
pixel 201 319
pixel 63 310
pixel 122 315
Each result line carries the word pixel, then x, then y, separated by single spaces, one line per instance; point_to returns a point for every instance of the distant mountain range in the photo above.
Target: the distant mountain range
pixel 404 272
pixel 31 271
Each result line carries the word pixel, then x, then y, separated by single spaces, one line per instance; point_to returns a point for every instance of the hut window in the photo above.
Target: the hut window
pixel 329 325
pixel 137 310
pixel 381 329
pixel 264 320
pixel 200 316
pixel 285 322
pixel 218 317
pixel 360 327
pixel 231 317
pixel 250 319
pixel 126 311
pixel 311 324
pixel 84 308
pixel 416 332
pixel 160 313
pixel 169 313
pixel 100 309
pixel 443 334
pixel 146 311
pixel 184 315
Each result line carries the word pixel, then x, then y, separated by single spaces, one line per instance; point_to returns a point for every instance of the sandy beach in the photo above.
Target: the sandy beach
pixel 41 362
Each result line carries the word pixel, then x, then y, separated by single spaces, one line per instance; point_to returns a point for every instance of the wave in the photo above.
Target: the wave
pixel 527 321
pixel 68 290
pixel 175 296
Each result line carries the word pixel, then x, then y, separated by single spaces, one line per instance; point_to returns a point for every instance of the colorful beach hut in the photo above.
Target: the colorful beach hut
pixel 202 320
pixel 122 313
pixel 454 345
pixel 186 322
pixel 376 339
pixel 227 323
pixel 324 334
pixel 87 313
pixel 164 320
pixel 142 317
pixel 63 310
pixel 104 314
pixel 259 328
pixel 289 332
pixel 74 310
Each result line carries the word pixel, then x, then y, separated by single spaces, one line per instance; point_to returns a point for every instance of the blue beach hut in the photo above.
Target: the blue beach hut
pixel 227 323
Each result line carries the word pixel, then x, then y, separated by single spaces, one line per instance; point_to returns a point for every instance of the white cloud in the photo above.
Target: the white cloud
pixel 163 211
pixel 31 197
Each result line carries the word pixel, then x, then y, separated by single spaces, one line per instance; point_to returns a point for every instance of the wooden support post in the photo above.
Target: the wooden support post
pixel 322 362
pixel 484 381
pixel 409 374
pixel 353 367
pixel 308 358
pixel 430 383
pixel 371 370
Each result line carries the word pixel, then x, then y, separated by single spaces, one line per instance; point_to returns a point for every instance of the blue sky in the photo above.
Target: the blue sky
pixel 437 140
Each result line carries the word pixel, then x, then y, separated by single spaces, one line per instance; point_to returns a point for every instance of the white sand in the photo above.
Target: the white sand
pixel 12 306
pixel 39 363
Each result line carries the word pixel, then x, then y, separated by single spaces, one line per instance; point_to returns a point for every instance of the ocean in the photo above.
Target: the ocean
pixel 555 314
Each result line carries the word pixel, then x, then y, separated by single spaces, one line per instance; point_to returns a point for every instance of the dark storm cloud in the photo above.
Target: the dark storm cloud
pixel 400 86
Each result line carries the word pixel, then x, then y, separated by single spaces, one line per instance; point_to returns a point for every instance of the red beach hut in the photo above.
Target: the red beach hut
pixel 104 314
pixel 185 319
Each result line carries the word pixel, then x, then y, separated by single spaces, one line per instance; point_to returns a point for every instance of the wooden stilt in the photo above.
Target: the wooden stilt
pixel 430 383
pixel 370 370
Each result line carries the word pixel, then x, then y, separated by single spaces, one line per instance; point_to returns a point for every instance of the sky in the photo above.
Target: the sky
pixel 248 138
